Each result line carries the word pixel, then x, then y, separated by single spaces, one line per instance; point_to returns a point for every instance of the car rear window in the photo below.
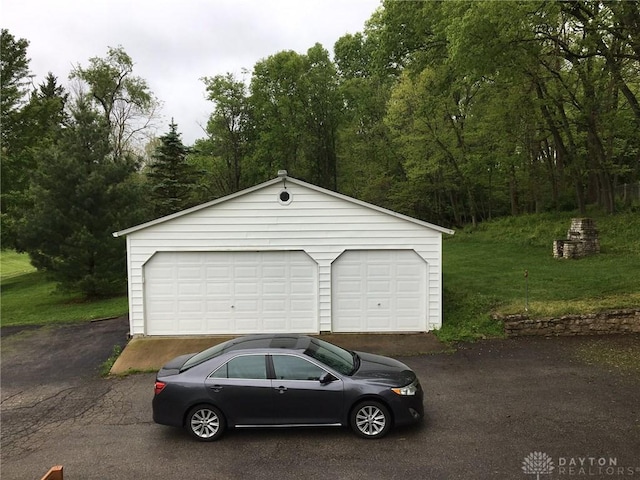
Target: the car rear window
pixel 204 355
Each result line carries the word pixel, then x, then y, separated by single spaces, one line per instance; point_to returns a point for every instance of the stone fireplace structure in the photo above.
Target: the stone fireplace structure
pixel 582 240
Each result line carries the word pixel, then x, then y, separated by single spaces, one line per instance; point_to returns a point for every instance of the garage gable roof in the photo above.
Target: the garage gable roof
pixel 274 181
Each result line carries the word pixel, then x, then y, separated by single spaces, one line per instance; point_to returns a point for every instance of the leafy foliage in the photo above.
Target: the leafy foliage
pixel 14 78
pixel 127 104
pixel 228 130
pixel 295 108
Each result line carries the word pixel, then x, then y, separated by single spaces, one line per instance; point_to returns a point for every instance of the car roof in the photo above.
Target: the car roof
pixel 267 341
pixel 253 343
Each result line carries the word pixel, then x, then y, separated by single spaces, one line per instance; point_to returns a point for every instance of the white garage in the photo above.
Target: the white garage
pixel 284 256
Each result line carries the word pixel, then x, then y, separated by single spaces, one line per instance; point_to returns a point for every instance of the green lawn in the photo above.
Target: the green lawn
pixel 13 264
pixel 28 298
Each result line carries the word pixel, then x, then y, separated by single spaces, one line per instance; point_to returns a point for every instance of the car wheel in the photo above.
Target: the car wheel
pixel 370 419
pixel 205 423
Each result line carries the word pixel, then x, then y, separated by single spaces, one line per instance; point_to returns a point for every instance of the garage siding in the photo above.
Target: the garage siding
pixel 321 223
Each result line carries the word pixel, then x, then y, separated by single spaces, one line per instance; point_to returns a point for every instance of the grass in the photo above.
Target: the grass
pixel 29 298
pixel 13 264
pixel 483 276
pixel 105 368
pixel 484 272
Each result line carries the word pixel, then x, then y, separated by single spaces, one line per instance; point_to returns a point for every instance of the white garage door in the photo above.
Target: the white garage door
pixel 379 291
pixel 195 293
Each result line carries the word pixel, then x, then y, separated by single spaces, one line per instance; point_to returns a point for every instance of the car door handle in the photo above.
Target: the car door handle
pixel 215 388
pixel 281 389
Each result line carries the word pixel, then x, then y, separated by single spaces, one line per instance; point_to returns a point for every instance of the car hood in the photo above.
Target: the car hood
pixel 383 370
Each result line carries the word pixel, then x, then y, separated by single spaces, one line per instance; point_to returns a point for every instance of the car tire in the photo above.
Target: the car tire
pixel 370 419
pixel 205 423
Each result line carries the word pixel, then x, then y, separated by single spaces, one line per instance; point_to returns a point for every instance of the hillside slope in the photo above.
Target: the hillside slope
pixel 484 271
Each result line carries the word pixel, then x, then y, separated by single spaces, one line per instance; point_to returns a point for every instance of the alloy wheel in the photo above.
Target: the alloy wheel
pixel 371 420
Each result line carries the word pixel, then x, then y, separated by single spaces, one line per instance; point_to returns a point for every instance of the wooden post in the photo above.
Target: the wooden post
pixel 54 473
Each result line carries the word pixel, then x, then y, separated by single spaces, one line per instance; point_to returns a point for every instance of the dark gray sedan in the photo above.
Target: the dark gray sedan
pixel 285 380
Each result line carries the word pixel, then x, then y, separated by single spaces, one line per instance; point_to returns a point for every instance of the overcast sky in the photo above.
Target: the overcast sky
pixel 175 43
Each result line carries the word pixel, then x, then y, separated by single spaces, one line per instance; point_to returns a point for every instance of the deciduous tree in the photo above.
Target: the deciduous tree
pixel 125 100
pixel 14 81
pixel 228 129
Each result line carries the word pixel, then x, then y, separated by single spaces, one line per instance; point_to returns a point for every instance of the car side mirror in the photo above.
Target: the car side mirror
pixel 326 377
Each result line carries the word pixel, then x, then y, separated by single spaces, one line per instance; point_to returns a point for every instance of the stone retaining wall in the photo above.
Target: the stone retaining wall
pixel 615 321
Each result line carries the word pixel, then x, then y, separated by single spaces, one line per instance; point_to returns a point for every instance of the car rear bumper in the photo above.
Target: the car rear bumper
pixel 165 413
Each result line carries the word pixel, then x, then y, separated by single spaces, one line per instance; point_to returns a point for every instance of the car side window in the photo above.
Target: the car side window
pixel 288 367
pixel 245 366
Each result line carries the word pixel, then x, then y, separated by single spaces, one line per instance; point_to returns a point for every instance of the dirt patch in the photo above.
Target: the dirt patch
pixel 620 353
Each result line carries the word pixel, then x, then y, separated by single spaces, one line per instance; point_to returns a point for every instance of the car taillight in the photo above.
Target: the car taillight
pixel 159 386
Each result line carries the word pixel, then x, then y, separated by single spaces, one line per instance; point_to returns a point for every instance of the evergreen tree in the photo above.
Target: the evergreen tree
pixel 80 195
pixel 170 176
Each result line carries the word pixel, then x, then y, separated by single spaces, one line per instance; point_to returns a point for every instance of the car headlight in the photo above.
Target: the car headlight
pixel 410 389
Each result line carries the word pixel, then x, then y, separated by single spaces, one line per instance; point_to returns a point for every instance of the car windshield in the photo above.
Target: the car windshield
pixel 341 360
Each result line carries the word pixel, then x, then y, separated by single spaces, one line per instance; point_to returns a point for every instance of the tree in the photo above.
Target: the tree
pixel 42 121
pixel 455 111
pixel 296 112
pixel 14 80
pixel 322 116
pixel 570 79
pixel 597 74
pixel 279 119
pixel 80 195
pixel 170 176
pixel 368 168
pixel 125 100
pixel 228 129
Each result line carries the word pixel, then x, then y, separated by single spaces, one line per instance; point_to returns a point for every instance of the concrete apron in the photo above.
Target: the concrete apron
pixel 143 354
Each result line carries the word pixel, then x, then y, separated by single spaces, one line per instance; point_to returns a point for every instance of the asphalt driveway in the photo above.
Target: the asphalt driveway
pixel 493 408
